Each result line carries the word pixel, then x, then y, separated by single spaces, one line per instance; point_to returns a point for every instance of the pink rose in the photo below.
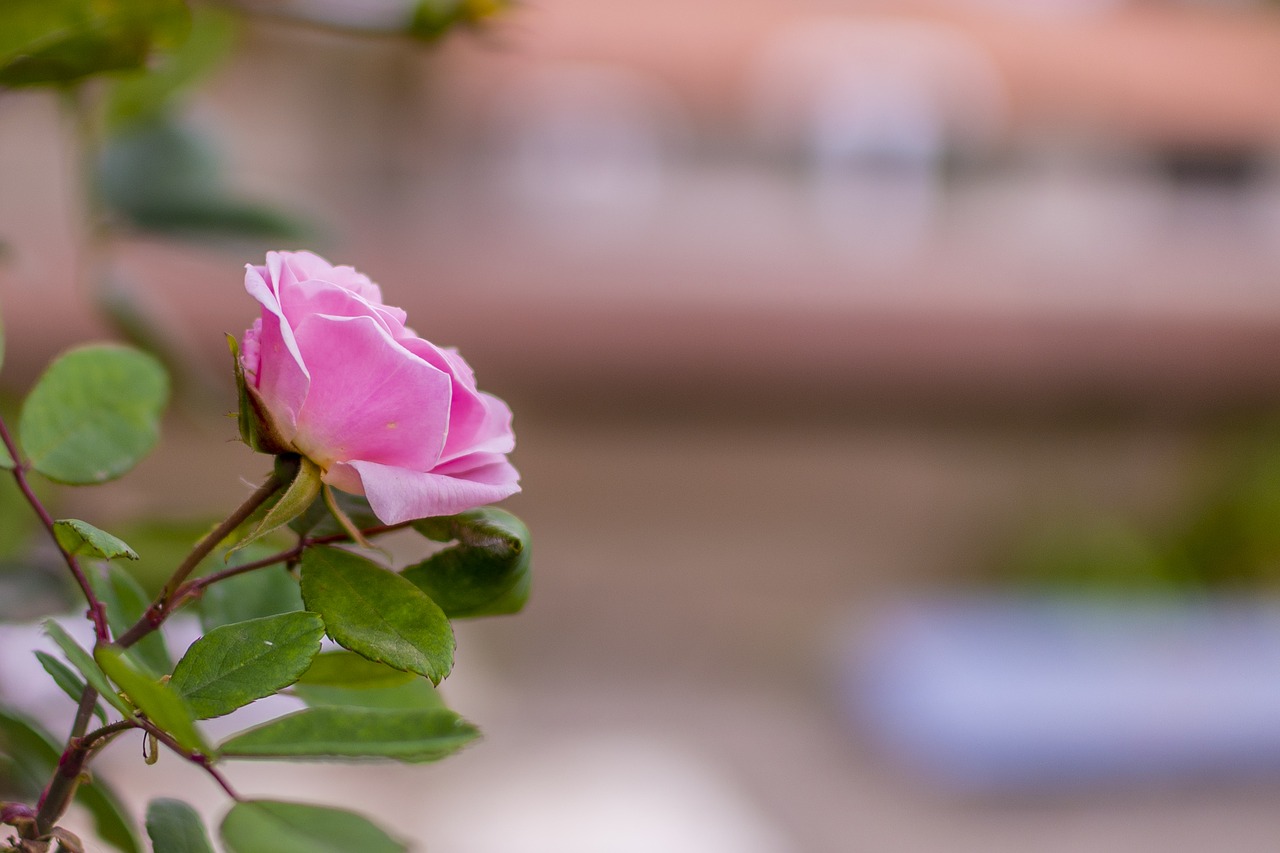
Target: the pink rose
pixel 384 413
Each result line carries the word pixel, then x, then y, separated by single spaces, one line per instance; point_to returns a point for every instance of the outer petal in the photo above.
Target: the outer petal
pixel 478 421
pixel 307 266
pixel 313 296
pixel 370 398
pixel 398 495
pixel 280 373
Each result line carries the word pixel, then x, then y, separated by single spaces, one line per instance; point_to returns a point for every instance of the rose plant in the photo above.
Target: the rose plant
pixel 346 397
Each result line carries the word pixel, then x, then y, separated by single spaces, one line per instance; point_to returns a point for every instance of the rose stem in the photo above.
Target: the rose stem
pixel 160 609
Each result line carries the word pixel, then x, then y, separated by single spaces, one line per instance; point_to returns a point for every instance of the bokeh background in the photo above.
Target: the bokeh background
pixel 853 346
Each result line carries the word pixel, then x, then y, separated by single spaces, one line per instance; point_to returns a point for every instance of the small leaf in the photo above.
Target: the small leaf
pixel 487 573
pixel 126 602
pixel 68 682
pixel 33 757
pixel 160 702
pixel 93 414
pixel 267 826
pixel 174 827
pixel 81 537
pixel 85 664
pixel 353 732
pixel 233 665
pixel 301 493
pixel 252 595
pixel 376 613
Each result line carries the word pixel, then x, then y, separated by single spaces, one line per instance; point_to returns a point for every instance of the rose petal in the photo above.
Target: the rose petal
pixel 478 421
pixel 280 374
pixel 369 398
pixel 397 494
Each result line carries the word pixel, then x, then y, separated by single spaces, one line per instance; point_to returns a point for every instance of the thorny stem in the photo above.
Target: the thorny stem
pixel 97 611
pixel 197 758
pixel 195 588
pixel 164 605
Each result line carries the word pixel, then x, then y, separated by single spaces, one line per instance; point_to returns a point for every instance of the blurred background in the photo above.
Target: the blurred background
pixel 896 391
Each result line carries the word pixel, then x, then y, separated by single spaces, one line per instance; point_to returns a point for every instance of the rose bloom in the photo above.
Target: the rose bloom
pixel 340 379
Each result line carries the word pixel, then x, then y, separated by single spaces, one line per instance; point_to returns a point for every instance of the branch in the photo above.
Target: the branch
pixel 97 611
pixel 161 607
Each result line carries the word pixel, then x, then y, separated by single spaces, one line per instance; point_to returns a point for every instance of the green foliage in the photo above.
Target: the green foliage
pixel 80 537
pixel 332 731
pixel 319 520
pixel 68 682
pixel 33 757
pixel 264 592
pixel 126 602
pixel 87 667
pixel 140 98
pixel 63 41
pixel 487 573
pixel 162 704
pixel 174 827
pixel 348 680
pixel 93 414
pixel 432 19
pixel 267 826
pixel 164 177
pixel 231 666
pixel 376 613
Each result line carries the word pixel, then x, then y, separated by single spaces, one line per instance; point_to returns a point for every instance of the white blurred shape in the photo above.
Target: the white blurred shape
pixel 610 793
pixel 875 106
pixel 583 145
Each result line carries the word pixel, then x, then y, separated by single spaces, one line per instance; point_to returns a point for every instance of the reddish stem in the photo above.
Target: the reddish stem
pixel 97 611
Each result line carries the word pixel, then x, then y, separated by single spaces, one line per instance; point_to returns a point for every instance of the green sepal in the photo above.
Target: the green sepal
pixel 376 613
pixel 87 667
pixel 330 731
pixel 33 757
pixel 126 602
pixel 231 666
pixel 163 705
pixel 302 492
pixel 68 682
pixel 268 826
pixel 80 537
pixel 175 827
pixel 486 574
pixel 93 414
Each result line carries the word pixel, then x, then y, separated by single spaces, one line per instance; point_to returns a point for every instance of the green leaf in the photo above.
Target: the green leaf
pixel 159 701
pixel 33 757
pixel 126 602
pixel 376 613
pixel 233 665
pixel 432 19
pixel 165 177
pixel 81 537
pixel 487 573
pixel 141 97
pixel 94 414
pixel 415 695
pixel 174 827
pixel 301 493
pixel 414 735
pixel 68 682
pixel 81 660
pixel 262 592
pixel 344 678
pixel 267 826
pixel 61 41
pixel 345 669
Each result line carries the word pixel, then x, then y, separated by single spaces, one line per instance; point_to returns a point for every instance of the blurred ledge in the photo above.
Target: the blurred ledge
pixel 628 354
